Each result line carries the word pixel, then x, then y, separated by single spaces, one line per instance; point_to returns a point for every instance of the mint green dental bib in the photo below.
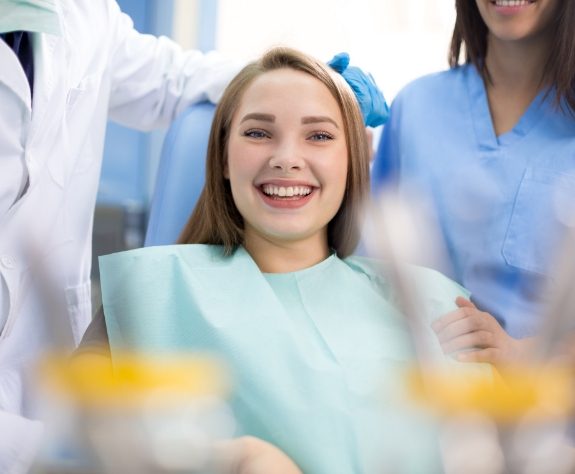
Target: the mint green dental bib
pixel 316 355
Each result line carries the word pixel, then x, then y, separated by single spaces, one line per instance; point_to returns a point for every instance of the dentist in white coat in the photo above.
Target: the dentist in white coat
pixel 89 64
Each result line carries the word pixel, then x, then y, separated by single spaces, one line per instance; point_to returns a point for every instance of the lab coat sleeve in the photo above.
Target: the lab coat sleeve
pixel 20 441
pixel 153 79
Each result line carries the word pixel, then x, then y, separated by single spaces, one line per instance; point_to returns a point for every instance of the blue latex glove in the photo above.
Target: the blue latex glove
pixel 371 101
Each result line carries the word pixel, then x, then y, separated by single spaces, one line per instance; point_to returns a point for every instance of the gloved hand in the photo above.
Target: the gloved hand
pixel 371 101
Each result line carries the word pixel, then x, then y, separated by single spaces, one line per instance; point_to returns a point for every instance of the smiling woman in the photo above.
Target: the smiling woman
pixel 265 279
pixel 287 170
pixel 284 122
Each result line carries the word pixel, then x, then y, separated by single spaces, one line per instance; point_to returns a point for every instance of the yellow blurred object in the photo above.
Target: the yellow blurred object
pixel 92 379
pixel 509 395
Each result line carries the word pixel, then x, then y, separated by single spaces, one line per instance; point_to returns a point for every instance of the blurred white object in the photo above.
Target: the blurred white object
pixel 149 415
pixel 400 232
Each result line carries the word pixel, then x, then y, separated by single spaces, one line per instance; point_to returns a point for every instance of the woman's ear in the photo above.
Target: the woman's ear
pixel 226 170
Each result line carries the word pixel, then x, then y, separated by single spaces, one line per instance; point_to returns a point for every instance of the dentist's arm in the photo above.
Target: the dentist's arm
pixel 153 79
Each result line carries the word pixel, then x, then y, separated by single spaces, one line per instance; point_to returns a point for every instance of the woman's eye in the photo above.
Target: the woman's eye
pixel 321 136
pixel 256 133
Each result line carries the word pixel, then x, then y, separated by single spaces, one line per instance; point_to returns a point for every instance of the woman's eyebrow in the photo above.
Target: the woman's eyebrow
pixel 318 119
pixel 259 116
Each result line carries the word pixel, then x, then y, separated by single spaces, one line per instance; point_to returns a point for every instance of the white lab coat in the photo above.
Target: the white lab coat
pixel 99 68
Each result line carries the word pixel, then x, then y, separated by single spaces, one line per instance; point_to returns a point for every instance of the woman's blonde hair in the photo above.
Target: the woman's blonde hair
pixel 216 219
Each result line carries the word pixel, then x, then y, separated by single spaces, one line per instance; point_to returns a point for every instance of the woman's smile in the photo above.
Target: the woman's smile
pixel 517 20
pixel 286 195
pixel 511 7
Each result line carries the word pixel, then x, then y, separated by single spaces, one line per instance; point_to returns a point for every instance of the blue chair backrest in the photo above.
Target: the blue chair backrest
pixel 181 174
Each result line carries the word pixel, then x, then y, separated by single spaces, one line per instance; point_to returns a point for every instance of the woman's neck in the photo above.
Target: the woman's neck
pixel 516 70
pixel 514 64
pixel 274 256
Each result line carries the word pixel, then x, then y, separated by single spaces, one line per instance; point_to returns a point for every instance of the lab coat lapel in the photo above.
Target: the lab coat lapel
pixel 49 81
pixel 13 76
pixel 50 88
pixel 51 68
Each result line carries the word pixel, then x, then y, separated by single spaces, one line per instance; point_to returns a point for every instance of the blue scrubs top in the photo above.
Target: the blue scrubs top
pixel 503 202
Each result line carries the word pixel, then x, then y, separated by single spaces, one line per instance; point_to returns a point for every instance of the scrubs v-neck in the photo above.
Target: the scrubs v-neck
pixel 503 203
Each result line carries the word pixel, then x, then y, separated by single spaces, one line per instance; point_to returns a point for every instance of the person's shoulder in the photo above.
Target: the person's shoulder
pixel 429 85
pixel 430 284
pixel 371 272
pixel 191 254
pixel 369 266
pixel 377 267
pixel 435 284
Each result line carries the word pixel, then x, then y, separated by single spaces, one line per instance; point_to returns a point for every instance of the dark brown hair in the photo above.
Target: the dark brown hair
pixel 216 219
pixel 470 39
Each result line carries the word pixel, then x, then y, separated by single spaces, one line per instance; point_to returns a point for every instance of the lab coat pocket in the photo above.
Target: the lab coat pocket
pixel 77 131
pixel 78 300
pixel 542 212
pixel 76 92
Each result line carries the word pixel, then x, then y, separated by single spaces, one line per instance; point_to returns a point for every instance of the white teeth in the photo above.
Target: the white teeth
pixel 289 191
pixel 512 3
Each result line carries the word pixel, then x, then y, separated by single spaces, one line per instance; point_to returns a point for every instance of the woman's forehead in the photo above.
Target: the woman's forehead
pixel 296 90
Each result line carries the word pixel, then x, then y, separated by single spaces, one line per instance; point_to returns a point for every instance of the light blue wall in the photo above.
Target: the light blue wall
pixel 208 11
pixel 126 167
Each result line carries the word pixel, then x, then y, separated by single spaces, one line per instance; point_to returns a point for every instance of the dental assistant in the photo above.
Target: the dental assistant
pixel 491 145
pixel 66 67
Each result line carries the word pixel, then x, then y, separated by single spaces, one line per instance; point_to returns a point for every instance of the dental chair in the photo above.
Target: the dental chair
pixel 180 176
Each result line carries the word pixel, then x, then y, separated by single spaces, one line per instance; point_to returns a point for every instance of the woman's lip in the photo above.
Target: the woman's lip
pixel 285 183
pixel 291 202
pixel 510 9
pixel 528 2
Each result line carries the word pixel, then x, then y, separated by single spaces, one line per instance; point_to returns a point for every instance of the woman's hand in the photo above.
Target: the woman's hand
pixel 479 336
pixel 249 455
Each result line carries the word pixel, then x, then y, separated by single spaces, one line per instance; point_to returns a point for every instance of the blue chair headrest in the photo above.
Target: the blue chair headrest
pixel 181 174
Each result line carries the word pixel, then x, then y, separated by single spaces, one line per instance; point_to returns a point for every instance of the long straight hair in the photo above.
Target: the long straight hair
pixel 470 40
pixel 216 219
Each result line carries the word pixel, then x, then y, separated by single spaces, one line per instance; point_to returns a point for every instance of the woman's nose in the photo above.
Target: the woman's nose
pixel 287 157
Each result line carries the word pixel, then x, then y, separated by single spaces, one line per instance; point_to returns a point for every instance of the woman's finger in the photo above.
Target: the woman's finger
pixel 440 324
pixel 459 327
pixel 489 355
pixel 473 340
